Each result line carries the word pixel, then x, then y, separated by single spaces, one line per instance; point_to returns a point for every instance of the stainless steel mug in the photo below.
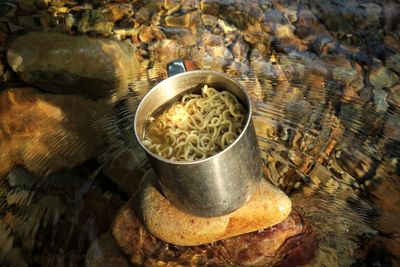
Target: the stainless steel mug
pixel 216 185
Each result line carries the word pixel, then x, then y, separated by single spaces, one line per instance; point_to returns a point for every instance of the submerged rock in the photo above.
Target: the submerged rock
pixel 348 16
pixel 209 20
pixel 394 96
pixel 186 21
pixel 95 21
pixel 127 177
pixel 238 13
pixel 393 63
pixel 183 35
pixel 280 245
pixel 7 11
pixel 165 50
pixel 381 77
pixel 105 252
pixel 62 64
pixel 45 133
pixel 345 74
pixel 380 96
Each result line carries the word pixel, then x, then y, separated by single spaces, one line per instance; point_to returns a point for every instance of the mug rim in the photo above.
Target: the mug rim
pixel 160 84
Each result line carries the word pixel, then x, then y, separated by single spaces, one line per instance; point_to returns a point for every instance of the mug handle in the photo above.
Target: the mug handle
pixel 180 66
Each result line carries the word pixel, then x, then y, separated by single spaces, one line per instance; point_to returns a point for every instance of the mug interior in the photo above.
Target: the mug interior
pixel 172 88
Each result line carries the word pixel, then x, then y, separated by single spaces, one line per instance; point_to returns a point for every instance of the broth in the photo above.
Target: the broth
pixel 195 126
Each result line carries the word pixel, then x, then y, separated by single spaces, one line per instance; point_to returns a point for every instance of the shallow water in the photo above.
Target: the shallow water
pixel 323 79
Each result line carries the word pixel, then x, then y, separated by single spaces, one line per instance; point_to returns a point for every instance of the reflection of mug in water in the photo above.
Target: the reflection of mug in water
pixel 196 126
pixel 215 185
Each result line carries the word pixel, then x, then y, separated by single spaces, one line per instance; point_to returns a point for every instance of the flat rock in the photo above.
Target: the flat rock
pixel 62 64
pixel 289 243
pixel 267 207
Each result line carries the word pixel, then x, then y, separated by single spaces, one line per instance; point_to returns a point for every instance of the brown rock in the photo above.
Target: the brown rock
pixel 386 198
pixel 166 50
pixel 105 252
pixel 126 176
pixel 214 46
pixel 116 11
pixel 381 77
pixel 2 68
pixel 254 34
pixel 209 20
pixel 392 42
pixel 7 11
pixel 187 20
pixel 269 206
pixel 146 34
pixel 45 133
pixel 158 33
pixel 142 15
pixel 183 35
pixel 288 242
pixel 394 96
pixel 93 67
pixel 80 226
pixel 393 63
pixel 95 21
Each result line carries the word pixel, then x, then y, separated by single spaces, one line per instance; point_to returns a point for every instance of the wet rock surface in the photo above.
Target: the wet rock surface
pixel 32 121
pixel 268 247
pixel 323 77
pixel 105 252
pixel 62 64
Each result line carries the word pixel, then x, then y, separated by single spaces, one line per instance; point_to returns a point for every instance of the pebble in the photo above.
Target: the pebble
pixel 29 23
pixel 158 33
pixel 14 28
pixel 275 16
pixel 240 49
pixel 381 77
pixel 146 34
pixel 394 96
pixel 393 63
pixel 171 4
pixel 104 251
pixel 380 100
pixel 95 21
pixel 291 13
pixel 226 27
pixel 344 74
pixel 7 11
pixel 216 7
pixel 183 35
pixel 156 19
pixel 209 20
pixel 116 12
pixel 166 50
pixel 142 15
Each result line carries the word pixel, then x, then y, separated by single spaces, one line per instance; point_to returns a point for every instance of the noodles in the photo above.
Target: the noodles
pixel 197 127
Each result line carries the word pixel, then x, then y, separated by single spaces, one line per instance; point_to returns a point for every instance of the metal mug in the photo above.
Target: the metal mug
pixel 216 185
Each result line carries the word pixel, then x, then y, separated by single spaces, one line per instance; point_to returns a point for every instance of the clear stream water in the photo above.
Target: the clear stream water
pixel 324 80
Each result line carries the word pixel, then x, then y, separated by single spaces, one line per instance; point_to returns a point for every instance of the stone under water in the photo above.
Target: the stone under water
pixel 62 64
